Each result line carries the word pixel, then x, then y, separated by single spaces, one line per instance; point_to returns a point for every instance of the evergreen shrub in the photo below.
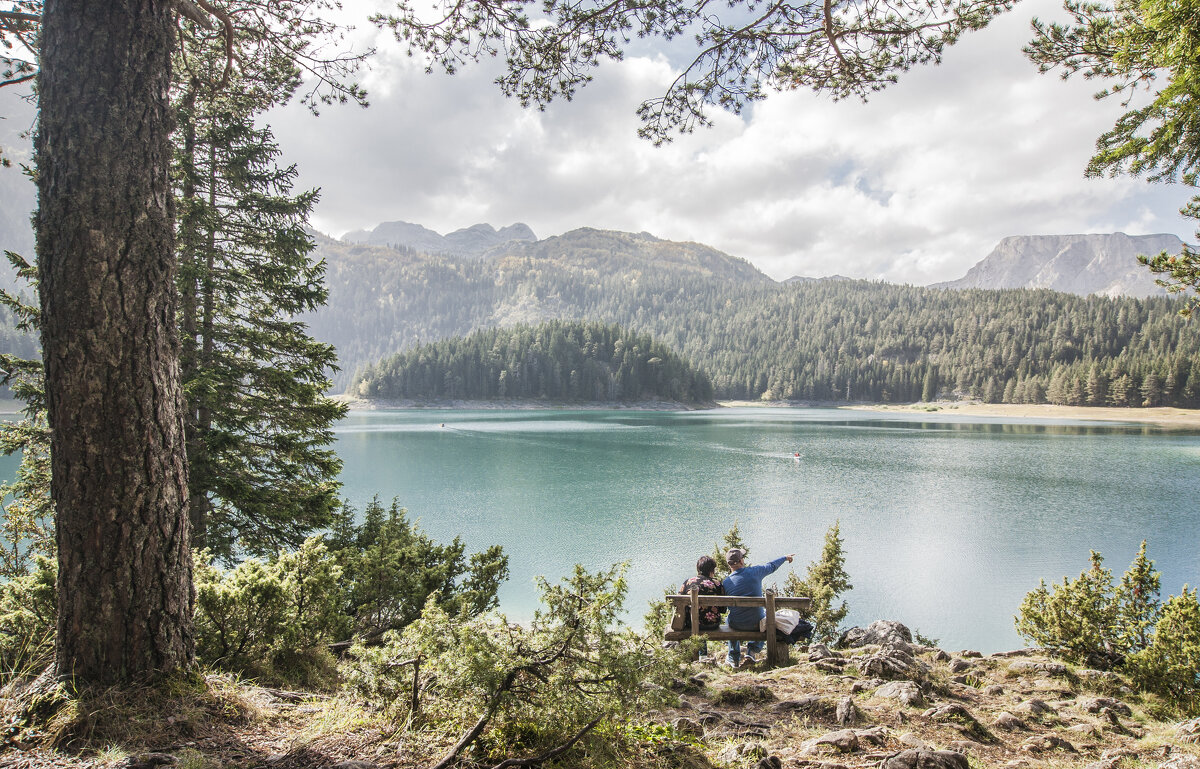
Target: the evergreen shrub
pixel 28 614
pixel 535 685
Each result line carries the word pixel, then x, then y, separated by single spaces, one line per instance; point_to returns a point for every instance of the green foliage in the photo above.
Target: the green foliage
pixel 27 528
pixel 28 615
pixel 1138 607
pixel 533 684
pixel 1089 620
pixel 1129 45
pixel 261 473
pixel 262 614
pixel 1170 664
pixel 740 48
pixel 1077 617
pixel 731 539
pixel 556 360
pixel 391 569
pixel 275 617
pixel 824 582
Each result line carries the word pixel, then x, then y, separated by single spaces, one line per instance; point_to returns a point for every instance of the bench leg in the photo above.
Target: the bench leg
pixel 781 657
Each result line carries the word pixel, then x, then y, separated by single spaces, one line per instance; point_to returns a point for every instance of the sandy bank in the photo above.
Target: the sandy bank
pixel 364 404
pixel 1167 417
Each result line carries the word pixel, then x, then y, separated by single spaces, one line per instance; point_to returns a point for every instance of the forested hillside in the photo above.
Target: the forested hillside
pixel 556 360
pixel 806 340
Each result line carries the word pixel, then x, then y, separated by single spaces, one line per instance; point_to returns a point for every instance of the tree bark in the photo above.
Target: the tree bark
pixel 107 269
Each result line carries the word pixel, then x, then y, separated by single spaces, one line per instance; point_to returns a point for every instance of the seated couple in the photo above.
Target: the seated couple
pixel 743 580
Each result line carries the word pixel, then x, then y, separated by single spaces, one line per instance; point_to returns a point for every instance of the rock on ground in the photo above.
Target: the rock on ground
pixel 926 759
pixel 906 692
pixel 880 632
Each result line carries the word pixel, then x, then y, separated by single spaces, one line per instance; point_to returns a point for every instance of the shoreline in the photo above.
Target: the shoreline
pixel 1167 417
pixel 1163 416
pixel 357 403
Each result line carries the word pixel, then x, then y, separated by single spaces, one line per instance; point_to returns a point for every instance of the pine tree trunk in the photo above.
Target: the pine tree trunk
pixel 107 268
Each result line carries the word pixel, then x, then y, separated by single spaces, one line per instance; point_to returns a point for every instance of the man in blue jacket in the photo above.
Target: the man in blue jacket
pixel 746 580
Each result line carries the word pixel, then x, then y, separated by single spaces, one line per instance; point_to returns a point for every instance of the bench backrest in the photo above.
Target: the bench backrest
pixel 689 605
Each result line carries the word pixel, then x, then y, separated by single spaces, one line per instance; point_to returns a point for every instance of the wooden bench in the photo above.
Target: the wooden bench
pixel 689 606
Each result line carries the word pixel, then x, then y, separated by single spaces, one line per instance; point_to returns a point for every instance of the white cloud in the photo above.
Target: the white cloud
pixel 915 186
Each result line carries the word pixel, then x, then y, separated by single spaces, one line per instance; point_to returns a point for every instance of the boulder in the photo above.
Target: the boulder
pixel 810 705
pixel 876 735
pixel 770 762
pixel 913 741
pixel 962 719
pixel 1008 722
pixel 1035 707
pixel 818 652
pixel 995 690
pixel 847 714
pixel 926 759
pixel 1026 652
pixel 880 632
pixel 959 666
pixel 1047 668
pixel 832 665
pixel 892 662
pixel 941 656
pixel 1181 761
pixel 1101 676
pixel 1044 743
pixel 1083 731
pixel 844 741
pixel 970 653
pixel 1097 704
pixel 687 726
pixel 906 692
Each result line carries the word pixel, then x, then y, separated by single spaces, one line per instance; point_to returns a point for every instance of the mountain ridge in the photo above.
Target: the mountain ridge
pixel 1082 264
pixel 472 241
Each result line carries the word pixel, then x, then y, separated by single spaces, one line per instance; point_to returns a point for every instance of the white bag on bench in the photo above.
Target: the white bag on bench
pixel 786 621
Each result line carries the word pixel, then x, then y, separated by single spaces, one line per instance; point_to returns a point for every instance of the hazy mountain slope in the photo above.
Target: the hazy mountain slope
pixel 384 300
pixel 470 241
pixel 591 252
pixel 1074 264
pixel 819 340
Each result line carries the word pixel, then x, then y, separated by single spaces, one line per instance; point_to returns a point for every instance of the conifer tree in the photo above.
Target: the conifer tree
pixel 1138 607
pixel 262 475
pixel 731 539
pixel 825 582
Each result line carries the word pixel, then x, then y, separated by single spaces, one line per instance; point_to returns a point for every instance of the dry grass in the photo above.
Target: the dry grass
pixel 730 721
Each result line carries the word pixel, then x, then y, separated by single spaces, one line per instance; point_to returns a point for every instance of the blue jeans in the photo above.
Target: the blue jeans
pixel 735 647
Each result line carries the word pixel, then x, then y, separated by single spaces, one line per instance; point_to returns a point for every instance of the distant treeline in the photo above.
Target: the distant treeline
pixel 822 340
pixel 556 360
pixel 886 343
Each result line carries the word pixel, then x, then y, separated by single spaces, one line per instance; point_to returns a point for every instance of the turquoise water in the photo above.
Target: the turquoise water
pixel 947 521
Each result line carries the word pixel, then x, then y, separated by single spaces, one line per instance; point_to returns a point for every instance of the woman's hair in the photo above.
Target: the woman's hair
pixel 706 566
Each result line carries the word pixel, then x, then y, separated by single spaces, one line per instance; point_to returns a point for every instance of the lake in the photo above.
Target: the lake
pixel 947 520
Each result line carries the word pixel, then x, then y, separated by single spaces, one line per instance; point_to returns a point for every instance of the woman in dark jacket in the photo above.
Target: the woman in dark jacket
pixel 707 584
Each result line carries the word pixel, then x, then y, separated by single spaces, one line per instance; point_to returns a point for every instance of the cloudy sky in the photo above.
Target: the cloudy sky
pixel 915 186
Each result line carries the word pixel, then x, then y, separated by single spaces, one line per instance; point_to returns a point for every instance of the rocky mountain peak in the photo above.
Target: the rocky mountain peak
pixel 1078 264
pixel 470 241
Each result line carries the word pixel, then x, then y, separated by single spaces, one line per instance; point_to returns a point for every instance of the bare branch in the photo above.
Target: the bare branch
pixel 228 24
pixel 188 9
